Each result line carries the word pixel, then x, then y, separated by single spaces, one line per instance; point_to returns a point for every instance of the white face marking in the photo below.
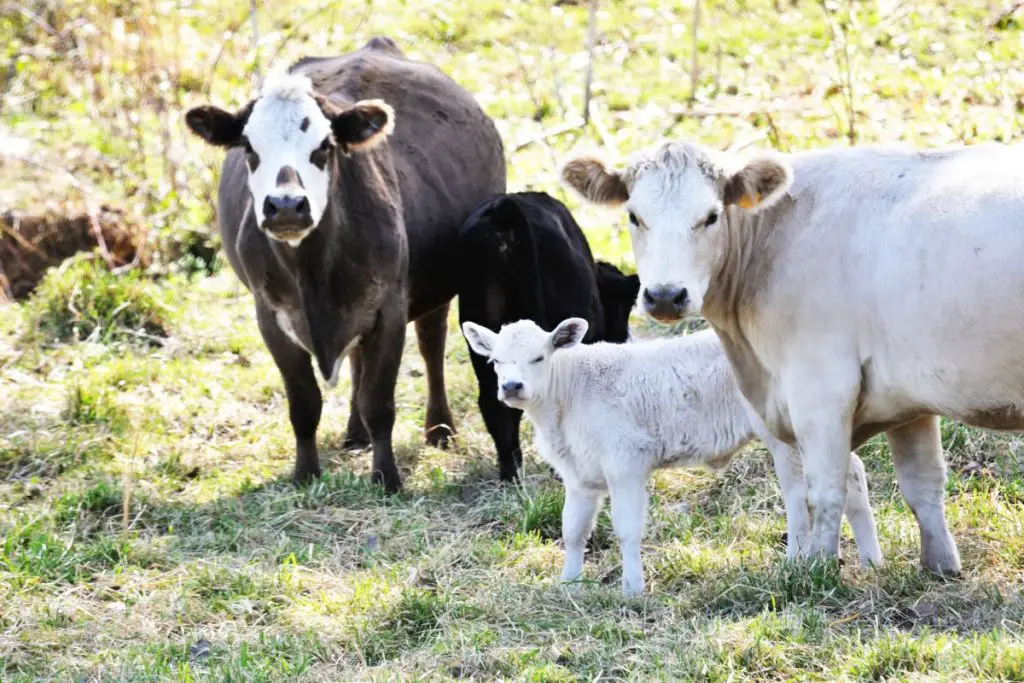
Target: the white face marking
pixel 332 381
pixel 671 244
pixel 274 131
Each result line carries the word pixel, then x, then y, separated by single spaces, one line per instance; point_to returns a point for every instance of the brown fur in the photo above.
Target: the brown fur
pixel 590 178
pixel 761 177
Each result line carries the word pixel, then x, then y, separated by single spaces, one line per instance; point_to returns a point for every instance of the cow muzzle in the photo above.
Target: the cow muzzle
pixel 287 217
pixel 665 303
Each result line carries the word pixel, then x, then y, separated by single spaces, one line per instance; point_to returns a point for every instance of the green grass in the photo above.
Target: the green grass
pixel 148 530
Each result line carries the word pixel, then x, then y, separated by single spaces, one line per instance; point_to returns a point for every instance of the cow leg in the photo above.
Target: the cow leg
pixel 381 355
pixel 356 436
pixel 822 421
pixel 502 421
pixel 859 515
pixel 304 399
pixel 921 473
pixel 629 506
pixel 579 517
pixel 431 334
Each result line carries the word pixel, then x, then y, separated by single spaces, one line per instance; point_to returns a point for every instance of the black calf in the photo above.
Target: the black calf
pixel 525 257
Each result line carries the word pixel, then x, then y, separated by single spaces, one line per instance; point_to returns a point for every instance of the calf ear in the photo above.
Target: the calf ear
pixel 364 125
pixel 216 126
pixel 569 333
pixel 480 339
pixel 759 184
pixel 591 179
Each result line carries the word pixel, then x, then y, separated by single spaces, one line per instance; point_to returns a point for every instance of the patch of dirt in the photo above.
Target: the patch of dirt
pixel 31 244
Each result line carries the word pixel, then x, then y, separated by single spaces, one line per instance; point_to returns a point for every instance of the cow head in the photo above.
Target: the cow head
pixel 677 197
pixel 294 139
pixel 520 354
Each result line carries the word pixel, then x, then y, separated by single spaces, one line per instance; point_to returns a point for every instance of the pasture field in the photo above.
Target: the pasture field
pixel 148 529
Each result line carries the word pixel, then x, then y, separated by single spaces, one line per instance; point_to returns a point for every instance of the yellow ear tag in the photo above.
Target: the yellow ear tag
pixel 748 202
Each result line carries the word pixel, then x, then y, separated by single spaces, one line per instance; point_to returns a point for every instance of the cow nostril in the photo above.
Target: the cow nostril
pixel 269 209
pixel 680 298
pixel 303 207
pixel 648 299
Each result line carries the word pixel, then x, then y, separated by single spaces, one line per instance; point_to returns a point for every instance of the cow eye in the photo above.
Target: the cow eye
pixel 633 219
pixel 711 219
pixel 537 359
pixel 319 155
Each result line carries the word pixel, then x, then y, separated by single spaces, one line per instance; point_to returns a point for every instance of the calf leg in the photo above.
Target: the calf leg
pixel 629 506
pixel 859 515
pixel 431 334
pixel 304 399
pixel 356 436
pixel 502 422
pixel 790 471
pixel 381 352
pixel 921 473
pixel 579 516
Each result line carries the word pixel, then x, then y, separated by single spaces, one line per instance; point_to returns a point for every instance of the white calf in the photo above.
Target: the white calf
pixel 606 416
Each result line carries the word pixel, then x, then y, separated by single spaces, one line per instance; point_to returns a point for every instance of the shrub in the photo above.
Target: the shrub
pixel 84 300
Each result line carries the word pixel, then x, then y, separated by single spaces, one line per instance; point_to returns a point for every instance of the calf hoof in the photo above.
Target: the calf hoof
pixel 440 436
pixel 391 482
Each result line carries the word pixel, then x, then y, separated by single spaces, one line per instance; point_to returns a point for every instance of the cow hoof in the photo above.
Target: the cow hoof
pixel 305 475
pixel 392 483
pixel 440 436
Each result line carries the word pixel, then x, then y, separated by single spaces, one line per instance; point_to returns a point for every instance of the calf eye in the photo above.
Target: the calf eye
pixel 319 155
pixel 251 157
pixel 537 359
pixel 633 220
pixel 711 219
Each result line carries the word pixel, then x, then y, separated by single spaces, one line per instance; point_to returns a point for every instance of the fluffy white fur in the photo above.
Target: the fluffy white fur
pixel 607 415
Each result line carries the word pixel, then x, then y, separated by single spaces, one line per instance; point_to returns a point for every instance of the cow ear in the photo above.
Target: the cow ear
pixel 569 333
pixel 480 339
pixel 590 178
pixel 216 126
pixel 364 125
pixel 759 184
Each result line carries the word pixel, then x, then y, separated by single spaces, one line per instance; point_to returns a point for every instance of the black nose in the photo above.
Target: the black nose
pixel 665 302
pixel 512 387
pixel 286 208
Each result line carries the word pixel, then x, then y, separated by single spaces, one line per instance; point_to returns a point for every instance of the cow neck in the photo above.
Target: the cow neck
pixel 745 256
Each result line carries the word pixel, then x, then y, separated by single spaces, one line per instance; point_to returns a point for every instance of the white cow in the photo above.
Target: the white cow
pixel 855 291
pixel 606 416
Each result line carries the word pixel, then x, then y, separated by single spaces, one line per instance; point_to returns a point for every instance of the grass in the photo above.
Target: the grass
pixel 148 531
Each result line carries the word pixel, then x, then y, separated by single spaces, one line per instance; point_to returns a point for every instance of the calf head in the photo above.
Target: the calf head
pixel 520 354
pixel 618 293
pixel 677 197
pixel 294 139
